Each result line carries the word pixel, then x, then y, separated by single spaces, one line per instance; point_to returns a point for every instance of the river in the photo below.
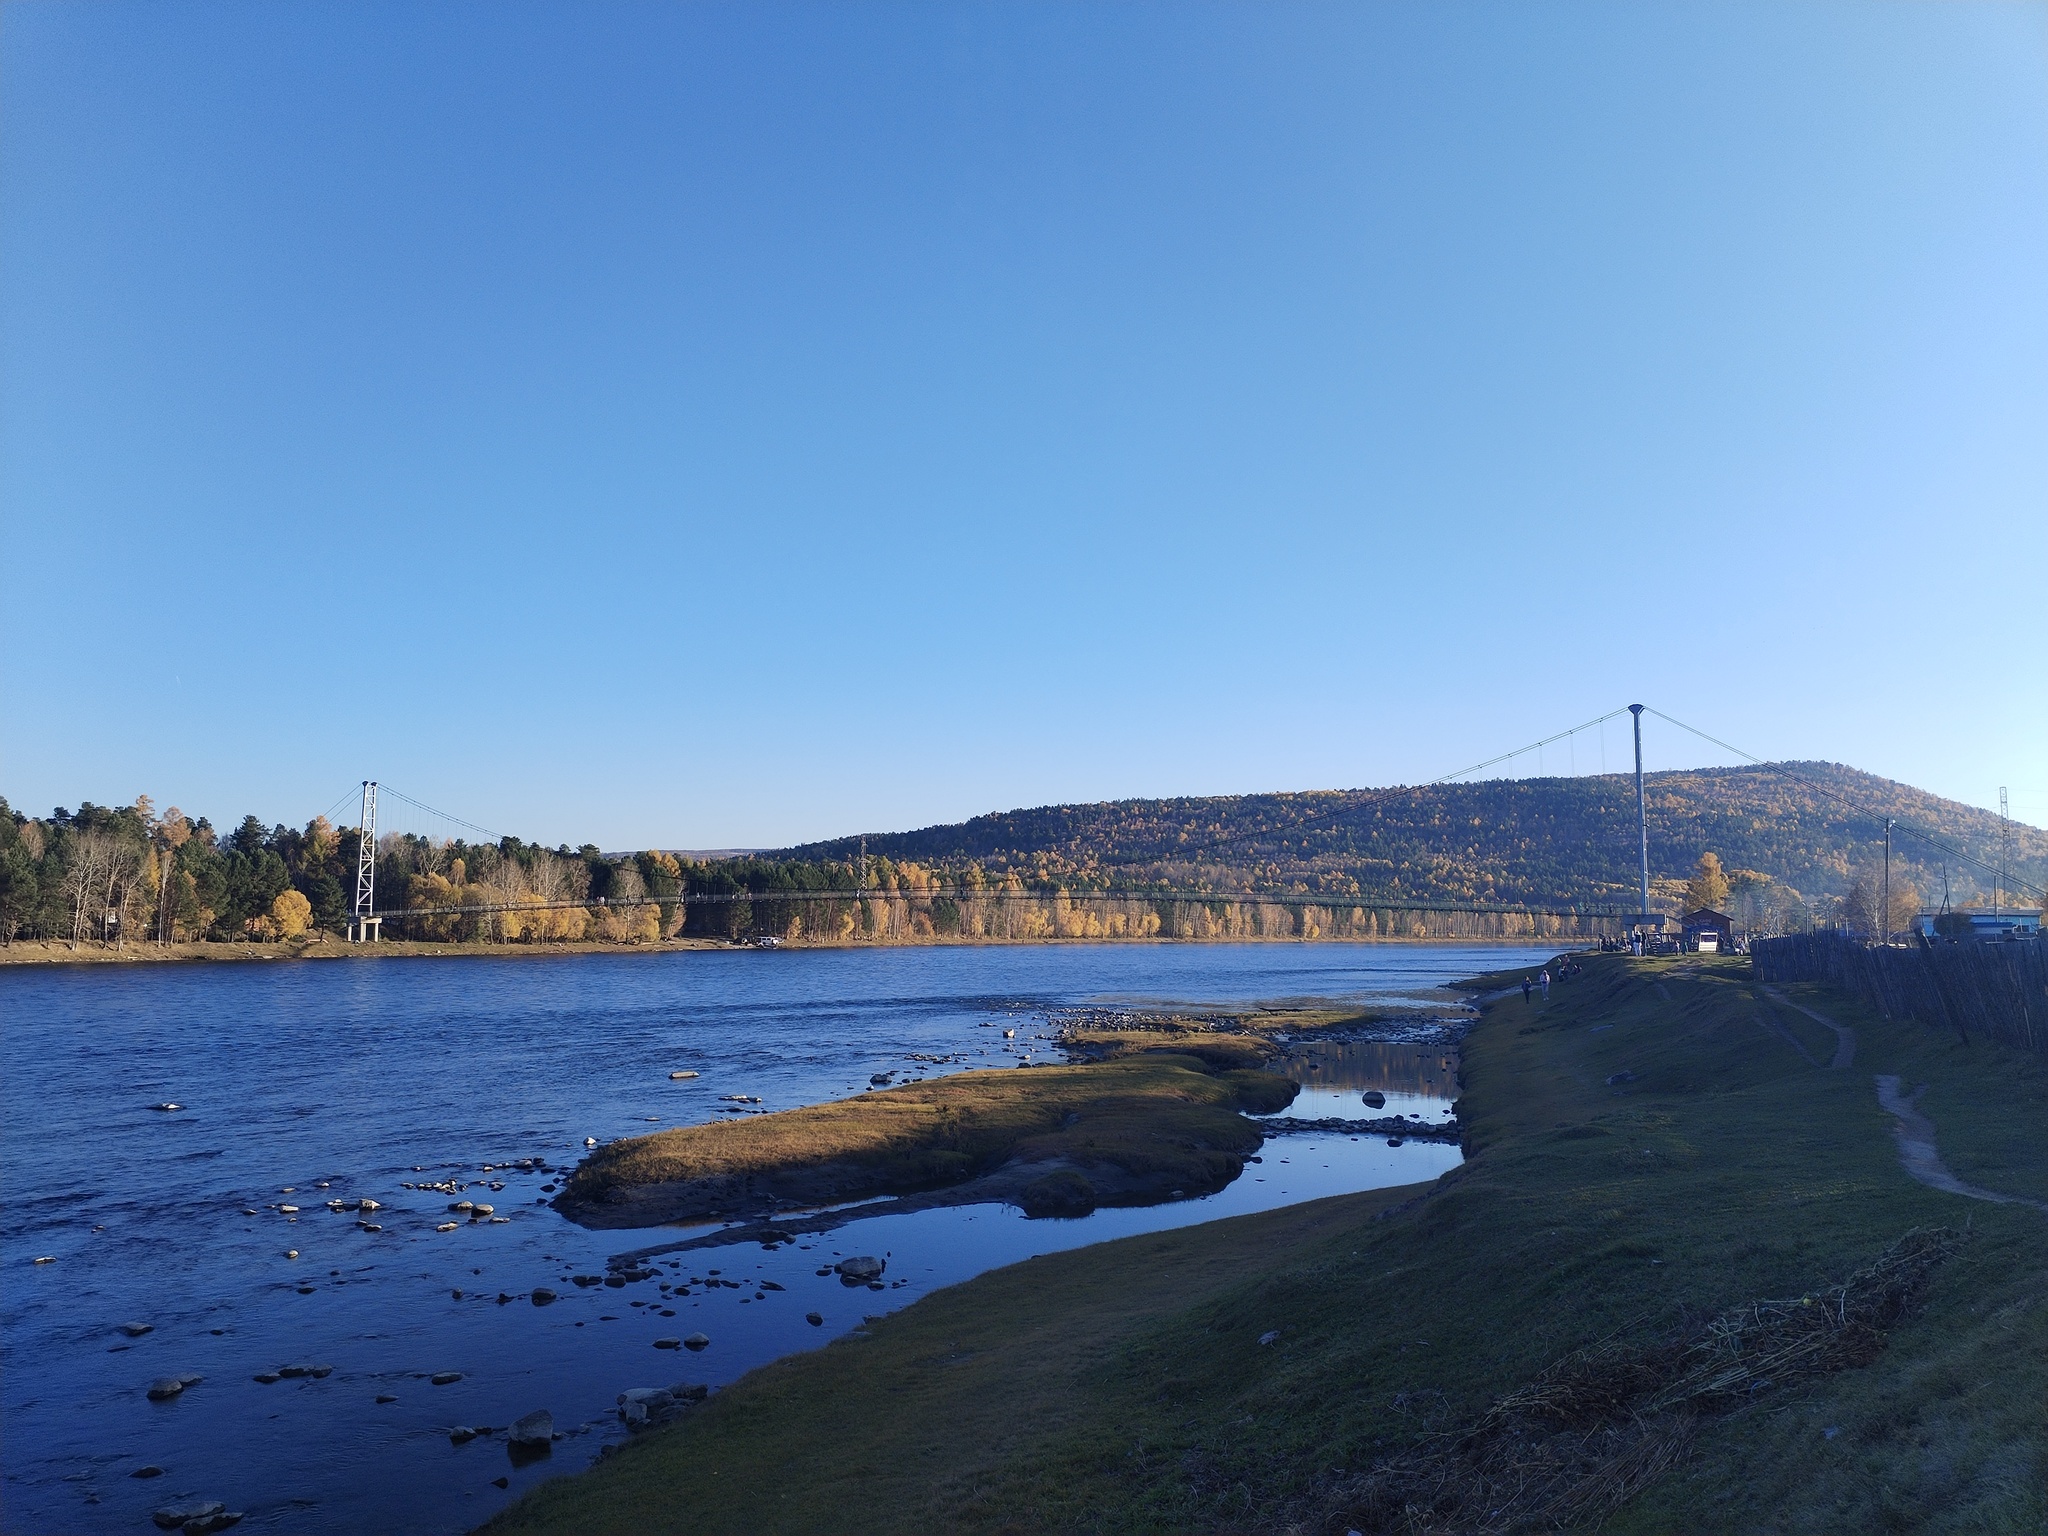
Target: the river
pixel 345 1080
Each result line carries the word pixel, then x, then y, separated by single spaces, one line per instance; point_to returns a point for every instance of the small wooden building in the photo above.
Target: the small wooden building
pixel 1707 921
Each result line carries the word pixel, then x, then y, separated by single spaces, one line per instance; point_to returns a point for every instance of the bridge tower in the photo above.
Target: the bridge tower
pixel 365 925
pixel 1644 917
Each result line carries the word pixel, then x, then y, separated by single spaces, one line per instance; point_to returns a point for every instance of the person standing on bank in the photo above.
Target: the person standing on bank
pixel 1525 989
pixel 1544 981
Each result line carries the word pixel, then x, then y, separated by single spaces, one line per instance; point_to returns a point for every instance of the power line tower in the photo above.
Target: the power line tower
pixel 365 925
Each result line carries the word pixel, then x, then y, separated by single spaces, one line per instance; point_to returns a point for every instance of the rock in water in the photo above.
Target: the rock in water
pixel 1375 1100
pixel 445 1378
pixel 859 1271
pixel 165 1387
pixel 542 1296
pixel 1065 1193
pixel 668 1343
pixel 677 1077
pixel 461 1434
pixel 814 1319
pixel 151 1470
pixel 137 1330
pixel 172 1516
pixel 696 1341
pixel 537 1428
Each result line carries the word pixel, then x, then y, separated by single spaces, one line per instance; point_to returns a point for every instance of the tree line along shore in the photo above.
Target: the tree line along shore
pixel 1683 1276
pixel 128 882
pixel 1357 865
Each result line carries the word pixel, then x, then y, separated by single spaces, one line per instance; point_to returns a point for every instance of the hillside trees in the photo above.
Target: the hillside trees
pixel 1708 888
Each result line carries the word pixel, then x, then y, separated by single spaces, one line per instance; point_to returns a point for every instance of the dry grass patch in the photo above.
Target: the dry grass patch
pixel 1140 1125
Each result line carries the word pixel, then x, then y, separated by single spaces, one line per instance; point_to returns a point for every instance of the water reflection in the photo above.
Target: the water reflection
pixel 1335 1075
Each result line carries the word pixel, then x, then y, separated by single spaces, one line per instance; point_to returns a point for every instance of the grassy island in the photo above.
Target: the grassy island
pixel 1663 1160
pixel 1159 1115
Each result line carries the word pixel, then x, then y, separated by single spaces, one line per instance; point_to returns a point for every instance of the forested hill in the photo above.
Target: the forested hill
pixel 1560 841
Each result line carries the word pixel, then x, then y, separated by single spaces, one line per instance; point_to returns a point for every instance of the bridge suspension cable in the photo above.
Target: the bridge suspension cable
pixel 1535 746
pixel 1933 840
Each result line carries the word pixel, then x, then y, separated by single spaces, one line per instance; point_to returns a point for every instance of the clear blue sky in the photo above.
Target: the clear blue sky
pixel 723 425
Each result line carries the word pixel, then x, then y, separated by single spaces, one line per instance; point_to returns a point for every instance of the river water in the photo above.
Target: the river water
pixel 343 1080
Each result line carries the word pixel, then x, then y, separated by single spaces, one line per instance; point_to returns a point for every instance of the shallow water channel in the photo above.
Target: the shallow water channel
pixel 311 1082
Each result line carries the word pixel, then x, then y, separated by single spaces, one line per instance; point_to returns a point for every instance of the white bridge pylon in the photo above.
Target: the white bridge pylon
pixel 365 925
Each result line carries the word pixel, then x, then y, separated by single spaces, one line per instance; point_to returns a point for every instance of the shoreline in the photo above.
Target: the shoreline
pixel 26 953
pixel 1625 1134
pixel 907 1147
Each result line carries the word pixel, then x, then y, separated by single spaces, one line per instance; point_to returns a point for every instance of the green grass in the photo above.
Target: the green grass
pixel 1122 1388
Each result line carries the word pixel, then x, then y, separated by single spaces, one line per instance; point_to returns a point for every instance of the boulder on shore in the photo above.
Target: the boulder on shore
pixel 536 1428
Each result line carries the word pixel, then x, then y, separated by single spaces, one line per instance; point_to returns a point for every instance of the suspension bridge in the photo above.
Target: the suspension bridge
pixel 1592 918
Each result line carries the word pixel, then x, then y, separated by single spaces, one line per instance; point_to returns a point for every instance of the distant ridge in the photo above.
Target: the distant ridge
pixel 1554 841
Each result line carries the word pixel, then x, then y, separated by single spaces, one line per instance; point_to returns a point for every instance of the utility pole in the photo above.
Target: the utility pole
pixel 1887 921
pixel 1642 817
pixel 363 929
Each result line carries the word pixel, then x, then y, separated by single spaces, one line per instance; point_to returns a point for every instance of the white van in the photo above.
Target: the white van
pixel 1709 943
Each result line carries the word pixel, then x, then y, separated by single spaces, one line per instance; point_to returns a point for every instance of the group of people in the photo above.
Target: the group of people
pixel 1634 944
pixel 1565 968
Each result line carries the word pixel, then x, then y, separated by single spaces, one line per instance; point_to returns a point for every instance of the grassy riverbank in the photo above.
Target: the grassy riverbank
pixel 1124 1387
pixel 1056 1139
